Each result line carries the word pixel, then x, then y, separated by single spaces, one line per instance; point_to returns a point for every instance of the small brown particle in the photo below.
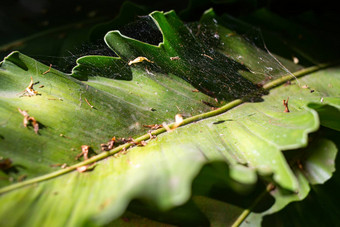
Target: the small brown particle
pixel 270 187
pixel 28 119
pixel 62 135
pixel 141 143
pixel 209 104
pixel 178 121
pixel 47 71
pixel 299 164
pixel 153 127
pixel 139 59
pixel 88 103
pixel 85 168
pixel 295 60
pixel 288 83
pixel 152 136
pixel 5 163
pixel 205 55
pixel 22 177
pixel 84 152
pixel 82 169
pixel 285 103
pixel 29 91
pixel 174 58
pixel 56 165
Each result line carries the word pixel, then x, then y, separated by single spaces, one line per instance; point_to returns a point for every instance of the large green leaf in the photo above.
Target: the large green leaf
pixel 248 140
pixel 310 167
pixel 321 200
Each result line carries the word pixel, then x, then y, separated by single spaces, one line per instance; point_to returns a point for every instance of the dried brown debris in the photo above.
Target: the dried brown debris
pixel 174 58
pixel 120 141
pixel 47 71
pixel 153 127
pixel 29 120
pixel 285 103
pixel 5 163
pixel 84 152
pixel 29 91
pixel 178 122
pixel 85 168
pixel 139 59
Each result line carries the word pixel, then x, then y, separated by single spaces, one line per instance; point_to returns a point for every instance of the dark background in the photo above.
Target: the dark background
pixel 25 19
pixel 20 18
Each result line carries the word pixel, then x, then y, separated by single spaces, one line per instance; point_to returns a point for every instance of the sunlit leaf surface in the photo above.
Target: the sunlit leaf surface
pixel 196 69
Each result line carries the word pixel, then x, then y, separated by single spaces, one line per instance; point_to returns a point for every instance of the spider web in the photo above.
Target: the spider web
pixel 224 58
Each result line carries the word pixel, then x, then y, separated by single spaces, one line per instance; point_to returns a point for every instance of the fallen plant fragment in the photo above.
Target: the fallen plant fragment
pixel 175 58
pixel 63 166
pixel 295 60
pixel 205 55
pixel 120 141
pixel 29 91
pixel 153 127
pixel 5 163
pixel 28 119
pixel 212 106
pixel 285 103
pixel 84 152
pixel 109 145
pixel 178 122
pixel 152 136
pixel 138 60
pixel 88 103
pixel 141 143
pixel 47 71
pixel 115 141
pixel 62 135
pixel 85 168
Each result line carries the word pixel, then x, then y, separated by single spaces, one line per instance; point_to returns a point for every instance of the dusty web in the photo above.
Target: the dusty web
pixel 223 58
pixel 260 60
pixel 244 44
pixel 142 29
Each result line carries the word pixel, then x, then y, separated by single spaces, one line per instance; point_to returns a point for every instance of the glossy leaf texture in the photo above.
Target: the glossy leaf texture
pixel 195 69
pixel 320 201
